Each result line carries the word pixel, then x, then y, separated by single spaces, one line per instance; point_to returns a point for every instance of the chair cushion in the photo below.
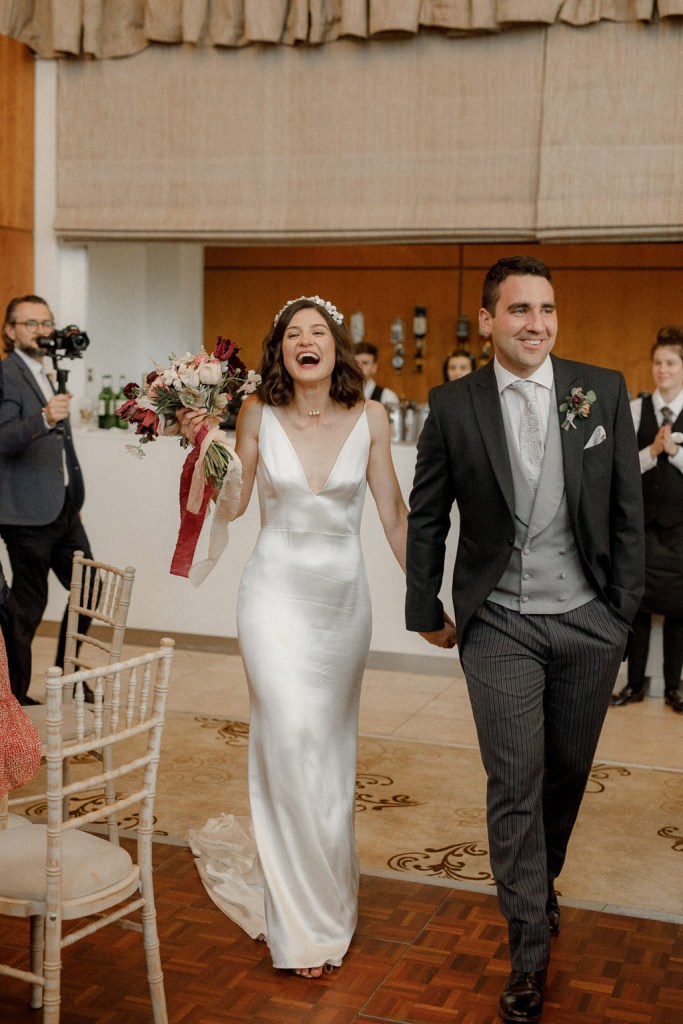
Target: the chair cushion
pixel 89 863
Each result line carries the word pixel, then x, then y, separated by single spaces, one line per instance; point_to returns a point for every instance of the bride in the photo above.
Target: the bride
pixel 304 622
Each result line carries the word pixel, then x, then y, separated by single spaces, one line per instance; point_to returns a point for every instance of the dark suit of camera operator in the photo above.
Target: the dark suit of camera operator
pixel 41 485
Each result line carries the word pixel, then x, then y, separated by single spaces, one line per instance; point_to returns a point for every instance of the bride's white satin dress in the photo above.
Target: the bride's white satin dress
pixel 304 624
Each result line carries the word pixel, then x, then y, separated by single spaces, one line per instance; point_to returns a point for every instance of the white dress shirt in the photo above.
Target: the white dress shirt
pixel 389 397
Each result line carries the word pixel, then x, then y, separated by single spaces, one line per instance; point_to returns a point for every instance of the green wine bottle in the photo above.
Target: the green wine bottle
pixel 105 413
pixel 118 401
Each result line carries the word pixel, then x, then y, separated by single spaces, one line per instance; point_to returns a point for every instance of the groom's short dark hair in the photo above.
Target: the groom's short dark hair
pixel 521 266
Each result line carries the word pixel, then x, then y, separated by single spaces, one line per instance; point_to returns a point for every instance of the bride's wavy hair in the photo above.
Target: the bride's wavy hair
pixel 277 386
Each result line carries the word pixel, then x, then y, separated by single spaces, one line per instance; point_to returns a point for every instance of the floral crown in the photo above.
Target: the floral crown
pixel 327 306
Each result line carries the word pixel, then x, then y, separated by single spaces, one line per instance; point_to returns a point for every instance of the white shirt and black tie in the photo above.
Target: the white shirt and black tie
pixel 659 405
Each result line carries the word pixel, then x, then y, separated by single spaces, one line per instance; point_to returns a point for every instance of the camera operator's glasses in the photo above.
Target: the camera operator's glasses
pixel 33 325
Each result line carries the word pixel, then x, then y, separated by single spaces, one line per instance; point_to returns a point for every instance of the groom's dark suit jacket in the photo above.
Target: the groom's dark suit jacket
pixel 31 456
pixel 463 458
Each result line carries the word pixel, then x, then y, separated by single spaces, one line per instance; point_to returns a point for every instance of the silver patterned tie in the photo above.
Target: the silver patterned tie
pixel 530 436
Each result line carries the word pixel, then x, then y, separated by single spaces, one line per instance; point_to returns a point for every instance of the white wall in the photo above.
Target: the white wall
pixel 144 302
pixel 138 302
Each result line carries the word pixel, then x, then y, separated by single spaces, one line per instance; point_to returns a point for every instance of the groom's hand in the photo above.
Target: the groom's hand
pixel 444 637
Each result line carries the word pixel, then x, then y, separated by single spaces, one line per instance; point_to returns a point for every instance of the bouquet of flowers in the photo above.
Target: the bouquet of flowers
pixel 189 382
pixel 193 382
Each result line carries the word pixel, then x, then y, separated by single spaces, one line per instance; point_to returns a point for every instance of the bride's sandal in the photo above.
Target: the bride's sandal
pixel 314 972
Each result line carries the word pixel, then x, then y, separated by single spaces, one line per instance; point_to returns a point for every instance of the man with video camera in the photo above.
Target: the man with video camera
pixel 41 484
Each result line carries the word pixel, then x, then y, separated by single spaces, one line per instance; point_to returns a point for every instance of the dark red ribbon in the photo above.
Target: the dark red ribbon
pixel 190 522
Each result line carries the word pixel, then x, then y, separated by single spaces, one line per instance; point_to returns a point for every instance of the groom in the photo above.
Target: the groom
pixel 539 455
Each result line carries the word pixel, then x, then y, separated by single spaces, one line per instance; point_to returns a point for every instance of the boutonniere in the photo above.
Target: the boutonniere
pixel 576 404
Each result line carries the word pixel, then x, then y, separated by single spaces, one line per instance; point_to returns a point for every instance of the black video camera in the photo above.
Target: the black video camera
pixel 71 342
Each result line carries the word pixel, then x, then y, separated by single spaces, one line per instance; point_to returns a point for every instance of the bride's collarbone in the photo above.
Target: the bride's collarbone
pixel 319 445
pixel 317 431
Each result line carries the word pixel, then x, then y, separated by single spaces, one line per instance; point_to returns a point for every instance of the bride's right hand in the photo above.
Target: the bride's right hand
pixel 191 422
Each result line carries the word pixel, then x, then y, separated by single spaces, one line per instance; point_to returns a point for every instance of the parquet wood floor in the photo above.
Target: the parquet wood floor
pixel 423 954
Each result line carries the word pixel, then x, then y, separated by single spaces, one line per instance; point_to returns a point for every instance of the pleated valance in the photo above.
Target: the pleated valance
pixel 119 28
pixel 560 134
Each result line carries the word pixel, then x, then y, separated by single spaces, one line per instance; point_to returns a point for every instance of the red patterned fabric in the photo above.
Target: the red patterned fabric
pixel 19 739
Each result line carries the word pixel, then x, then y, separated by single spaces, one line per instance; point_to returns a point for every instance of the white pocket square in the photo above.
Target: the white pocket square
pixel 597 437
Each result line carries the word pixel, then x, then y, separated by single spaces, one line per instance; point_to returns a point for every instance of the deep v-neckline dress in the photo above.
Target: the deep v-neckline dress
pixel 304 622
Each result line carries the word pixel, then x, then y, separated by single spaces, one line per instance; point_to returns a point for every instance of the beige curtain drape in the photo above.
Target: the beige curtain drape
pixel 560 134
pixel 611 145
pixel 406 139
pixel 118 28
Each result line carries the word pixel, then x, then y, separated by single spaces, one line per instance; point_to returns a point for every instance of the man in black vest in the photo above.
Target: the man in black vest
pixel 366 357
pixel 658 421
pixel 41 485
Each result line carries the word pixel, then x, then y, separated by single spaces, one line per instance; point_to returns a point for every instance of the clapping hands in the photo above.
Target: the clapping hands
pixel 663 442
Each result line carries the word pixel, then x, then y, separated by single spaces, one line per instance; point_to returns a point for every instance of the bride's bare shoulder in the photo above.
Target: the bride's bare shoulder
pixel 378 419
pixel 249 419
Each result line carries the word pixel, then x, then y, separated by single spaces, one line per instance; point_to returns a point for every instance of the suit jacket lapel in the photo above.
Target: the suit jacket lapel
pixel 28 377
pixel 490 422
pixel 573 439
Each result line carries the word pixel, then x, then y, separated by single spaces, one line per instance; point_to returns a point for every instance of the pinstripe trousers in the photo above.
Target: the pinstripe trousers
pixel 539 686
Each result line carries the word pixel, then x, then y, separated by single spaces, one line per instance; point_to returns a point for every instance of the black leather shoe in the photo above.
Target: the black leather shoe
pixel 626 696
pixel 521 1000
pixel 29 702
pixel 674 700
pixel 552 909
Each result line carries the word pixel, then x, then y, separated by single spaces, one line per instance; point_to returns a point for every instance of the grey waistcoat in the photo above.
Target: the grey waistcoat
pixel 544 575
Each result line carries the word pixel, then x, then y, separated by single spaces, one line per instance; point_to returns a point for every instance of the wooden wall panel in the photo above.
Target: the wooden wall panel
pixel 612 299
pixel 16 181
pixel 241 300
pixel 16 123
pixel 16 264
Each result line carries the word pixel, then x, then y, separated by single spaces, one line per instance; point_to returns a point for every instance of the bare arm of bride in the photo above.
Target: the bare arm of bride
pixel 383 482
pixel 246 446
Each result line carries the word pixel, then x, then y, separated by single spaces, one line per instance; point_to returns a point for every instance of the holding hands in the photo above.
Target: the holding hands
pixel 445 637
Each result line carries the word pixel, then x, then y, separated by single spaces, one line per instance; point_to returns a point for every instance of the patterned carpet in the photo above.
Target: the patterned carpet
pixel 420 814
